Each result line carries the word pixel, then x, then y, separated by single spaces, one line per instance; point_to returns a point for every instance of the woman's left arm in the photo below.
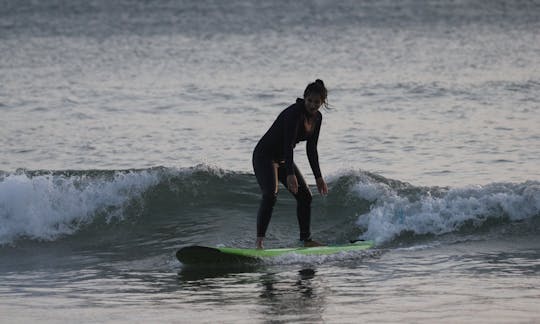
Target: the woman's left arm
pixel 313 157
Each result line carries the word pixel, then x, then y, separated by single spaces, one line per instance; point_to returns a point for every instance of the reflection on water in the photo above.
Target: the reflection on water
pixel 283 294
pixel 192 275
pixel 297 297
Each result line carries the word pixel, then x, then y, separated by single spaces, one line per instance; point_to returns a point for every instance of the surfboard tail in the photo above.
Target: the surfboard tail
pixel 203 255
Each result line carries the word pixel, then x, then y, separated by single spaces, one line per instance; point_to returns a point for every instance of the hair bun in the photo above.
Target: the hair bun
pixel 319 81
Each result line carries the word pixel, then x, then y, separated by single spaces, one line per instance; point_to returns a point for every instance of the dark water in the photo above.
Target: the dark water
pixel 126 132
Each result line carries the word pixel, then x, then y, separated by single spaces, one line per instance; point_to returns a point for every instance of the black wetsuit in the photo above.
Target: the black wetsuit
pixel 274 153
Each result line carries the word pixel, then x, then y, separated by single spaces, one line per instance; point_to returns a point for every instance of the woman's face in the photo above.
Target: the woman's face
pixel 312 102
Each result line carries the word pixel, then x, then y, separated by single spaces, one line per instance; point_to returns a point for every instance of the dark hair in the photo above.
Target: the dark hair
pixel 317 88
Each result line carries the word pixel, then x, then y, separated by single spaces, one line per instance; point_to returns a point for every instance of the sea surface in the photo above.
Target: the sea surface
pixel 126 133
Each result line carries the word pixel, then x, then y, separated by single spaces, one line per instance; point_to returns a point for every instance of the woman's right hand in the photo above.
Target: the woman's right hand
pixel 292 183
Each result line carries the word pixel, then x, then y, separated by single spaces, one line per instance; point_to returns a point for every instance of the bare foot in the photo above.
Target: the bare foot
pixel 259 243
pixel 312 243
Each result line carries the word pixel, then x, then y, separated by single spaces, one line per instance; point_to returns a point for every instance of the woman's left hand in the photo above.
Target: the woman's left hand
pixel 321 185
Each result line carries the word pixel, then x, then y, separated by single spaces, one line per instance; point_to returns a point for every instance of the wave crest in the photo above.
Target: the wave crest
pixel 47 205
pixel 39 205
pixel 439 211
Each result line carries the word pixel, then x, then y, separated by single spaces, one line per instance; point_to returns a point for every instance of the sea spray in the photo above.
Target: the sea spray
pixel 46 206
pixel 439 211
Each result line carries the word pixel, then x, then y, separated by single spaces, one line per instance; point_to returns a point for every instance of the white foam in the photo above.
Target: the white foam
pixel 47 206
pixel 392 214
pixel 311 259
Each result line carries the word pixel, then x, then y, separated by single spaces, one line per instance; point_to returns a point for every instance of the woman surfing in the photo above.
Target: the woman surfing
pixel 273 160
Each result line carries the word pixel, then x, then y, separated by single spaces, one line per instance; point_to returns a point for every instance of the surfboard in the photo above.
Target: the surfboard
pixel 200 255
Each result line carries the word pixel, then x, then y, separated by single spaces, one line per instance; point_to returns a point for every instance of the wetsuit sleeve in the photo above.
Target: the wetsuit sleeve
pixel 311 148
pixel 290 130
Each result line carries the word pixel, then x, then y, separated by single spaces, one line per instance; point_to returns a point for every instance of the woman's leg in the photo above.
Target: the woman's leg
pixel 266 174
pixel 303 201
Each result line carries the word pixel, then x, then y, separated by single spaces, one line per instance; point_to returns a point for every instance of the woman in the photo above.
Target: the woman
pixel 273 160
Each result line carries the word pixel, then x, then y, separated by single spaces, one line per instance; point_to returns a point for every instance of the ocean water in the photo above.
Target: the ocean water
pixel 126 133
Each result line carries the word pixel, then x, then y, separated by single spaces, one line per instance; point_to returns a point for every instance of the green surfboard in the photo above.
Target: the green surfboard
pixel 201 255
